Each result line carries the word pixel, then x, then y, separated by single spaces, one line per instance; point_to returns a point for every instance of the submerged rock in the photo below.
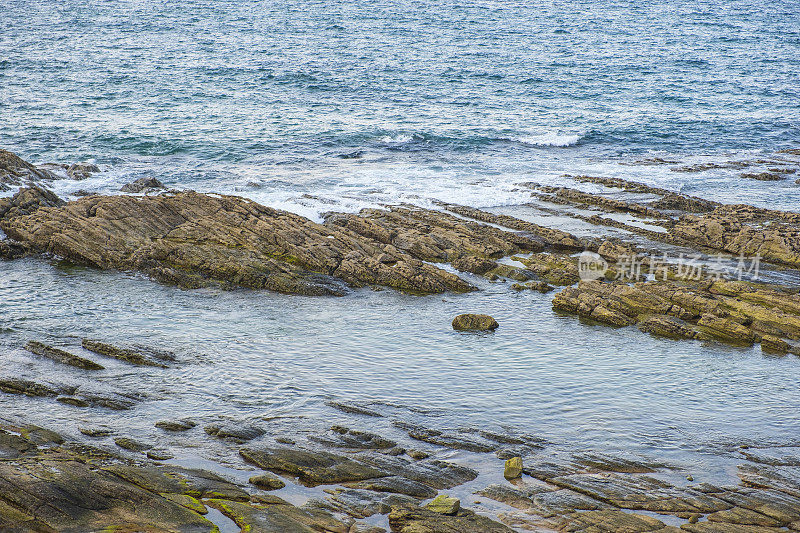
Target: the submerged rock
pixel 61 356
pixel 123 354
pixel 468 321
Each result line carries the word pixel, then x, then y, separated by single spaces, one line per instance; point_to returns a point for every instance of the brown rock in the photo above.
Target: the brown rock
pixel 474 322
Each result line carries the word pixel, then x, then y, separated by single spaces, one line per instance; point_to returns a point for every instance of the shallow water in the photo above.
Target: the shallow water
pixel 274 360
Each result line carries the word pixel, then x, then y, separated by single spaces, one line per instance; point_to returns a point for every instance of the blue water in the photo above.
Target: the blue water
pixel 440 100
pixel 426 100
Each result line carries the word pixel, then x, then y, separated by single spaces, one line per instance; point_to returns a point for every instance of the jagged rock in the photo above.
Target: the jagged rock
pixel 11 250
pixel 27 387
pixel 159 455
pixel 444 504
pixel 14 171
pixel 557 269
pixel 727 330
pixel 640 492
pixel 26 201
pixel 772 344
pixel 474 264
pixel 611 521
pixel 745 231
pixel 61 356
pixel 733 312
pixel 555 238
pixel 669 200
pixel 665 326
pixel 195 239
pixel 142 184
pixel 73 400
pixel 363 503
pixel 397 485
pixel 513 468
pixel 420 520
pixel 616 250
pixel 433 235
pixel 81 171
pixel 468 321
pixel 434 473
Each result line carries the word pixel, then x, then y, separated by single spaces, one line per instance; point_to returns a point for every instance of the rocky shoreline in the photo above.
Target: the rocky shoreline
pixel 113 482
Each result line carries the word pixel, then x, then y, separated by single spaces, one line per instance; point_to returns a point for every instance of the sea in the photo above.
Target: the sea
pixel 331 105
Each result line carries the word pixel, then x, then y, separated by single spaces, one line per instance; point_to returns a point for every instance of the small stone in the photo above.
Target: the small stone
pixel 689 478
pixel 513 468
pixel 444 504
pixel 467 322
pixel 267 482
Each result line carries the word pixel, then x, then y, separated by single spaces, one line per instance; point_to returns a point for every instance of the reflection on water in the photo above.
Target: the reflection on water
pixel 275 360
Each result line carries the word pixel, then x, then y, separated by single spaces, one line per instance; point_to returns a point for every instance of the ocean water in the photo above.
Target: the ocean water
pixel 436 99
pixel 333 105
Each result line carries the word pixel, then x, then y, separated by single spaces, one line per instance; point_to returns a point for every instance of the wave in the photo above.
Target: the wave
pixel 560 140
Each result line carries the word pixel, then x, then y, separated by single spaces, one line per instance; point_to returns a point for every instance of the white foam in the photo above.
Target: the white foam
pixel 560 140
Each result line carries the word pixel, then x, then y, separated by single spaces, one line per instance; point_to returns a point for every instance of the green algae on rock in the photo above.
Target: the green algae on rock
pixel 476 322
